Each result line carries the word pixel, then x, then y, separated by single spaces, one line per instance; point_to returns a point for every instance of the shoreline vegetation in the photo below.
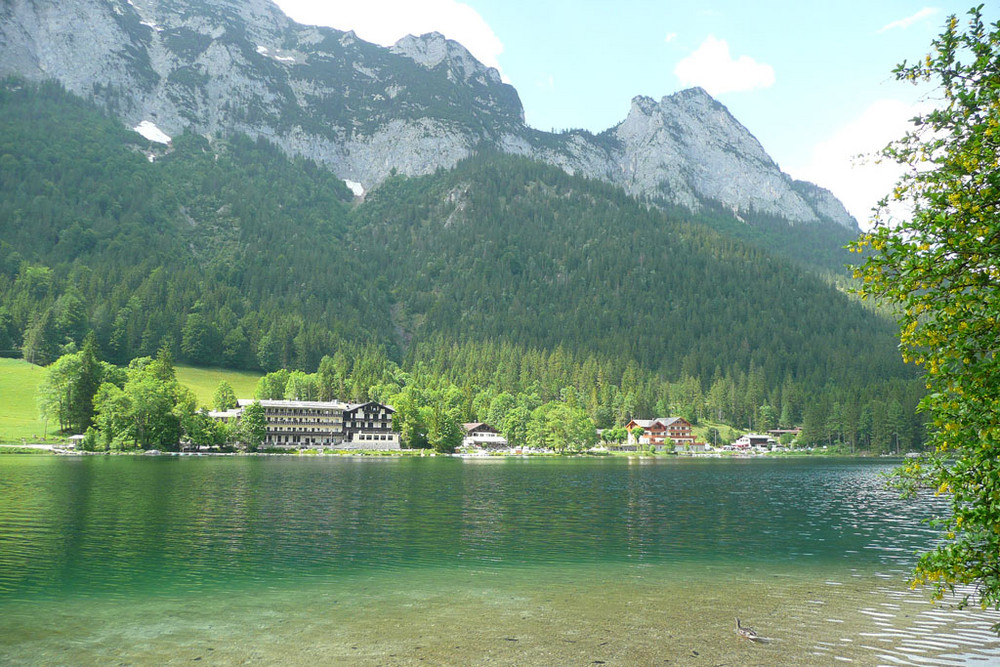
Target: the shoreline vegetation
pixel 819 452
pixel 201 387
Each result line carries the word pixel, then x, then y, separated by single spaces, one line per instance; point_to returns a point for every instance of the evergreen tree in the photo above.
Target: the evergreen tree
pixel 40 339
pixel 88 380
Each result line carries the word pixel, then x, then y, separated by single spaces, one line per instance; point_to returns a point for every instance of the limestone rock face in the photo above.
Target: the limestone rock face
pixel 218 67
pixel 688 148
pixel 432 49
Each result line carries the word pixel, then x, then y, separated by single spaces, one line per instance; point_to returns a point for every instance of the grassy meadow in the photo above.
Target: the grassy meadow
pixel 19 382
pixel 19 418
pixel 204 381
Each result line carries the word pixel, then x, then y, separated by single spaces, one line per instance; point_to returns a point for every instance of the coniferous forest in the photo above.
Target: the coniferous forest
pixel 501 277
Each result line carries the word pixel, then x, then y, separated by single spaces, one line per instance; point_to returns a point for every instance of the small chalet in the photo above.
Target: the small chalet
pixel 658 431
pixel 479 435
pixel 754 441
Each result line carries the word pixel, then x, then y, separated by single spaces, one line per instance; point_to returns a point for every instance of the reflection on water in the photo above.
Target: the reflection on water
pixel 451 561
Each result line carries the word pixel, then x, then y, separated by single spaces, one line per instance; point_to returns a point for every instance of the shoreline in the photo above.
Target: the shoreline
pixel 42 449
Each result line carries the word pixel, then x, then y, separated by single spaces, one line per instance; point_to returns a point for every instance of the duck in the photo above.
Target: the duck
pixel 746 632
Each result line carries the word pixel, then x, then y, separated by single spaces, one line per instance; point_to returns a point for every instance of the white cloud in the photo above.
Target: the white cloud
pixel 671 36
pixel 713 68
pixel 909 20
pixel 858 181
pixel 386 21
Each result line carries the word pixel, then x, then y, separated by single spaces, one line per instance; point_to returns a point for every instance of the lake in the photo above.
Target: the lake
pixel 448 561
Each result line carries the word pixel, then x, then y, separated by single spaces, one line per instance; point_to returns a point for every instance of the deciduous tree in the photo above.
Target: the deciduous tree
pixel 940 267
pixel 253 426
pixel 224 397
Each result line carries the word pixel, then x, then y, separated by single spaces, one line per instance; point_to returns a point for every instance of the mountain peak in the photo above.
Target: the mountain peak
pixel 644 105
pixel 432 48
pixel 688 149
pixel 694 97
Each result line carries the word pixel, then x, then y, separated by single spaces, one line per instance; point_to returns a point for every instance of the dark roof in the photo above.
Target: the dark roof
pixel 351 407
pixel 478 426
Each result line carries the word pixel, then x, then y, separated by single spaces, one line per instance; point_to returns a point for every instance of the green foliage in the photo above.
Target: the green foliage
pixel 616 435
pixel 560 427
pixel 939 268
pixel 223 250
pixel 40 345
pixel 201 430
pixel 140 415
pixel 67 394
pixel 252 426
pixel 444 430
pixel 149 411
pixel 91 440
pixel 301 387
pixel 272 386
pixel 224 398
pixel 503 249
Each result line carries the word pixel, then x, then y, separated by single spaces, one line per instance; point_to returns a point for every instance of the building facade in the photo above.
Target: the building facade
pixel 661 431
pixel 318 424
pixel 755 441
pixel 297 424
pixel 369 426
pixel 479 435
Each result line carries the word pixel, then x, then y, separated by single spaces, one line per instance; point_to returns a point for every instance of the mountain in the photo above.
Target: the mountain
pixel 501 275
pixel 227 67
pixel 207 240
pixel 249 248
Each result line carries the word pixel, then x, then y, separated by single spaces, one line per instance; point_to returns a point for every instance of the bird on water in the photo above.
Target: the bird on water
pixel 746 632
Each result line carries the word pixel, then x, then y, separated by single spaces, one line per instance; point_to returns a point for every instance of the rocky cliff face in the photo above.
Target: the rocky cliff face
pixel 688 149
pixel 225 66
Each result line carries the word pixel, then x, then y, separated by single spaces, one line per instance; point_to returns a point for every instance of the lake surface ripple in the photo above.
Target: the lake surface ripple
pixel 467 561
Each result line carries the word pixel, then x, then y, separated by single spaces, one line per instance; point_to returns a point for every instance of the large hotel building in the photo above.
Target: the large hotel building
pixel 299 424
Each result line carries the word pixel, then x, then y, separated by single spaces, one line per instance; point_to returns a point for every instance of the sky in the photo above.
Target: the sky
pixel 811 80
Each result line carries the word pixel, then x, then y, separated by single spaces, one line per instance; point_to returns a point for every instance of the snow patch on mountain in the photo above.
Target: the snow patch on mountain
pixel 148 129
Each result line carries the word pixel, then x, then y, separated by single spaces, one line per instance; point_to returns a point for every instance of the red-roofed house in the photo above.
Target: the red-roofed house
pixel 658 431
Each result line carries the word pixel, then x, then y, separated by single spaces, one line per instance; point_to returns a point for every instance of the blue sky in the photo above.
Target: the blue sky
pixel 811 80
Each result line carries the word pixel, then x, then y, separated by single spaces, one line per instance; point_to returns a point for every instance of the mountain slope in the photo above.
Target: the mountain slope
pixel 232 248
pixel 241 66
pixel 502 275
pixel 232 252
pixel 503 248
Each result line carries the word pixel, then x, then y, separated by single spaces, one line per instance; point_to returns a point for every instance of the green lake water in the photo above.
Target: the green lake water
pixel 231 560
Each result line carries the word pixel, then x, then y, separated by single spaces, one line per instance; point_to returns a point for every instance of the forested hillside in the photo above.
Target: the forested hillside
pixel 233 253
pixel 506 249
pixel 502 276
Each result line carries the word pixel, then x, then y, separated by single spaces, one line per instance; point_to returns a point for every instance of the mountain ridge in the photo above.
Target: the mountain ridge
pixel 364 111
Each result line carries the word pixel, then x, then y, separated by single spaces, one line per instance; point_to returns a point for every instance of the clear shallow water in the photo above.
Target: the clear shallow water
pixel 387 561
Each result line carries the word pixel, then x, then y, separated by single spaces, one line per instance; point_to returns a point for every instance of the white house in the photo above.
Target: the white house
pixel 479 435
pixel 754 441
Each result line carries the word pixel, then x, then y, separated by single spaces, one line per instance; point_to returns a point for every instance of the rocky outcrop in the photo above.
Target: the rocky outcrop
pixel 226 66
pixel 688 149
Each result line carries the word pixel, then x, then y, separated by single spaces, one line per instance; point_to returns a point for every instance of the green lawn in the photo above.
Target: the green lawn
pixel 19 382
pixel 19 419
pixel 204 381
pixel 726 432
